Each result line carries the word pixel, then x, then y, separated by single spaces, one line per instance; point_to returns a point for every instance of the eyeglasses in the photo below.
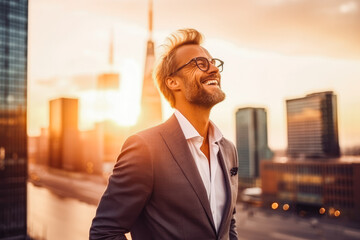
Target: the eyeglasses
pixel 203 64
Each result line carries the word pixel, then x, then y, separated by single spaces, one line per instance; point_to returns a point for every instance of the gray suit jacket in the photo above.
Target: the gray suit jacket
pixel 156 192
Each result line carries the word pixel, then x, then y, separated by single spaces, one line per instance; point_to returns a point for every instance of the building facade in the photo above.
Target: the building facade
pixel 311 185
pixel 64 149
pixel 13 110
pixel 312 126
pixel 251 143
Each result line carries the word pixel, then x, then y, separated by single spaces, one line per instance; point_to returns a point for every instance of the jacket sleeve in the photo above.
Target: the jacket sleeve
pixel 128 190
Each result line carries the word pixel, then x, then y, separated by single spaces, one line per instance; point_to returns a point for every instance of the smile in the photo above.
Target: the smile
pixel 211 82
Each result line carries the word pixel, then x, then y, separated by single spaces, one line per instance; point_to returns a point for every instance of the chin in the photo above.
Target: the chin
pixel 211 101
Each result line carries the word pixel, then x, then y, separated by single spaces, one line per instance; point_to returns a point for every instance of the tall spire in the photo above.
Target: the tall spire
pixel 150 18
pixel 151 113
pixel 111 48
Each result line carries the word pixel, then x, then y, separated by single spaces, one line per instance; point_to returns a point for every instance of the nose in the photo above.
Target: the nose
pixel 213 68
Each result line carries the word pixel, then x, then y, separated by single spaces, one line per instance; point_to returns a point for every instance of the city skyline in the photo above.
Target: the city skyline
pixel 254 74
pixel 274 51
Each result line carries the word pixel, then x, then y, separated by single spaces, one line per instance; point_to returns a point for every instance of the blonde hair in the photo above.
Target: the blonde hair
pixel 166 63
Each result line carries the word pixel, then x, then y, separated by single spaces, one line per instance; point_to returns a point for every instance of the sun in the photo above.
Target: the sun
pixel 119 105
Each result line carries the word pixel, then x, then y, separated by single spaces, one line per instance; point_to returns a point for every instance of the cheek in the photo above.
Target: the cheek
pixel 195 83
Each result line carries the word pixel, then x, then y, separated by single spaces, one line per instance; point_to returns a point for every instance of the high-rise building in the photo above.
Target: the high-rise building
pixel 251 142
pixel 151 113
pixel 313 126
pixel 13 101
pixel 64 147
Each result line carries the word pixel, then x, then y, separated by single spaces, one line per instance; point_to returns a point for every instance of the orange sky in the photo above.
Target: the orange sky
pixel 273 50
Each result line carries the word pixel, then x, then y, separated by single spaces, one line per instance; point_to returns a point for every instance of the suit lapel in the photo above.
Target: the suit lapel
pixel 222 156
pixel 175 140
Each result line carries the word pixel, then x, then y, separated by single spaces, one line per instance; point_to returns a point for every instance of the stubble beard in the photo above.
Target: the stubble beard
pixel 198 95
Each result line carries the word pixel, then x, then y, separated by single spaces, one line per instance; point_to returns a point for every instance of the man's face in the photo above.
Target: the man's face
pixel 199 87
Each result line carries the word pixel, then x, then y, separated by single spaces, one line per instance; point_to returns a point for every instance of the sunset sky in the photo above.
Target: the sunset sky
pixel 273 50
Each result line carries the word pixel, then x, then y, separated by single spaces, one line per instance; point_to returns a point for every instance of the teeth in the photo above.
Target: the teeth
pixel 211 82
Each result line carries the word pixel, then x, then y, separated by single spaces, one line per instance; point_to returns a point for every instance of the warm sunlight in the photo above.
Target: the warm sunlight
pixel 80 114
pixel 119 105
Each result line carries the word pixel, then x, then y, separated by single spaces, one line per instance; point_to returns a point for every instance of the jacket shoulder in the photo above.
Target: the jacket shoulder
pixel 155 131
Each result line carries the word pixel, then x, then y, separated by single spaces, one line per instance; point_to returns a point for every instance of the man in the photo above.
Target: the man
pixel 176 180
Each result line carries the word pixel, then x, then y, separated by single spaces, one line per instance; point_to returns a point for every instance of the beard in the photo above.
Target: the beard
pixel 197 94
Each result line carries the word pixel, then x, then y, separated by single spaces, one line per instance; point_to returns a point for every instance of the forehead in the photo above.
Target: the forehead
pixel 187 52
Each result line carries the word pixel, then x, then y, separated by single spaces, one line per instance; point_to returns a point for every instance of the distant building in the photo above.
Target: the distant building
pixel 13 110
pixel 32 144
pixel 251 143
pixel 91 152
pixel 101 146
pixel 109 80
pixel 43 147
pixel 112 138
pixel 151 112
pixel 311 185
pixel 63 134
pixel 38 148
pixel 313 126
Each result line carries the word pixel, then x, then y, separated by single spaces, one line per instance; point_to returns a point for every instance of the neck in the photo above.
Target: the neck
pixel 198 116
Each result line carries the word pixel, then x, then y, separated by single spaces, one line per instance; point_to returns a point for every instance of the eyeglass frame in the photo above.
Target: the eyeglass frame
pixel 195 59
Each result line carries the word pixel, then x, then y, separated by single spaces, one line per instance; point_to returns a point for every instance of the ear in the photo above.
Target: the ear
pixel 173 83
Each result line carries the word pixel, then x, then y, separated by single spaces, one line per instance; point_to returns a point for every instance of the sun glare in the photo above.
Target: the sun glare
pixel 119 105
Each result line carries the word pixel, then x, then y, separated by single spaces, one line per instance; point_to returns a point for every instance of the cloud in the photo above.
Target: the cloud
pixel 348 7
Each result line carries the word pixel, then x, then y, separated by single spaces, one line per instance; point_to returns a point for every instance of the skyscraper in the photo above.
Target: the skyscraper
pixel 251 140
pixel 150 100
pixel 64 147
pixel 312 126
pixel 13 110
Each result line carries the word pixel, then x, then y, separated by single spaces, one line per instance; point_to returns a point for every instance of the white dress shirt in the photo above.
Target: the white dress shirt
pixel 211 175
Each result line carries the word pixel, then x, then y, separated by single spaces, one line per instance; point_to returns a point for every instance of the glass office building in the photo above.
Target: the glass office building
pixel 251 143
pixel 312 126
pixel 13 101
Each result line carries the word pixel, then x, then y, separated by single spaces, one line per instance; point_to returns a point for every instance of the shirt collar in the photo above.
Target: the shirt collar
pixel 190 132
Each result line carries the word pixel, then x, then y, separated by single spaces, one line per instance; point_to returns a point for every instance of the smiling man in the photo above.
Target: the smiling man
pixel 177 180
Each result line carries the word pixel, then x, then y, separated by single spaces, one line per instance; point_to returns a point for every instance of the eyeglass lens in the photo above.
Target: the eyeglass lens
pixel 203 63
